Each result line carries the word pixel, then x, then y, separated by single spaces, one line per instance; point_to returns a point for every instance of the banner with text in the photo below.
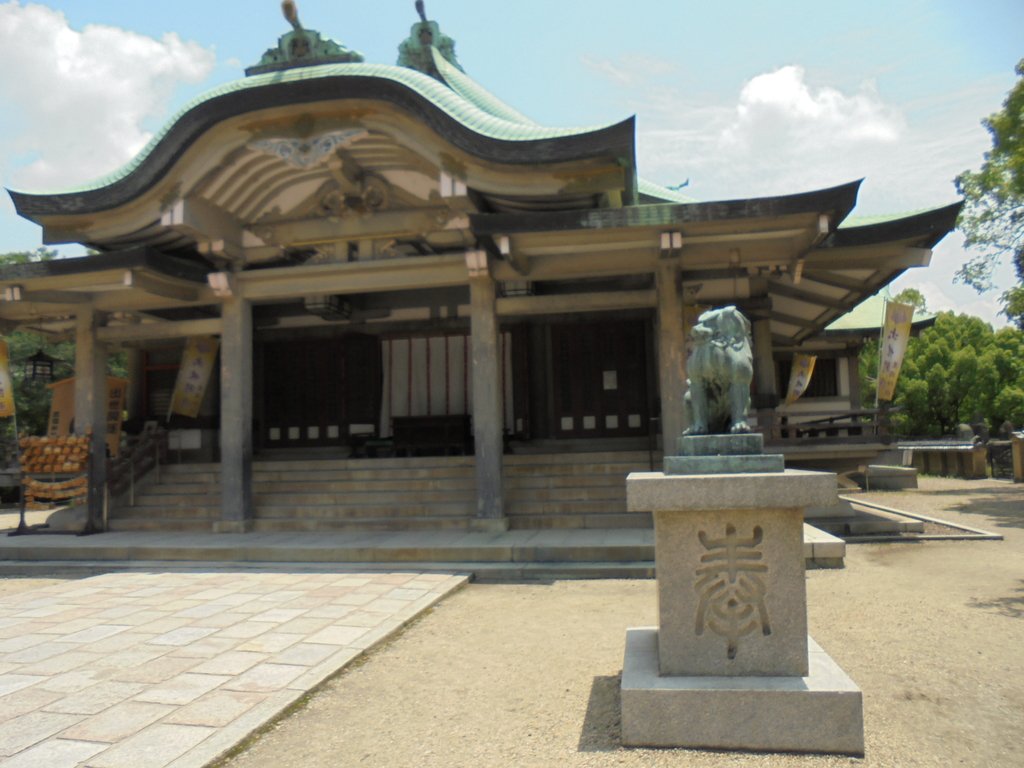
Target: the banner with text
pixel 800 376
pixel 895 335
pixel 6 386
pixel 197 363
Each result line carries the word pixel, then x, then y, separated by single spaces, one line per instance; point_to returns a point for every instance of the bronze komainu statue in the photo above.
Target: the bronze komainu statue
pixel 720 368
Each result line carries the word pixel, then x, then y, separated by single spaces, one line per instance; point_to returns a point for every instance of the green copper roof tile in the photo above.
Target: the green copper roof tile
pixel 665 194
pixel 449 101
pixel 867 221
pixel 476 94
pixel 869 315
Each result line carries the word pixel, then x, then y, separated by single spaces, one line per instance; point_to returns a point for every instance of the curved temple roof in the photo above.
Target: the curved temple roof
pixel 471 118
pixel 537 219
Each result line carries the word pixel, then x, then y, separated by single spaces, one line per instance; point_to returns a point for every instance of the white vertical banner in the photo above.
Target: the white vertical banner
pixel 431 376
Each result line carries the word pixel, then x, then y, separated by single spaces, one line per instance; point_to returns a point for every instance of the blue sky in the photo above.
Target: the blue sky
pixel 741 98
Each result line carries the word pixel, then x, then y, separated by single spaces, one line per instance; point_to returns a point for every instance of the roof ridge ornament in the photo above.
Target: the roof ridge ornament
pixel 302 47
pixel 417 51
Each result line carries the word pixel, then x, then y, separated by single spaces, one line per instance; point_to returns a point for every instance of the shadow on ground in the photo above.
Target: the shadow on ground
pixel 1011 606
pixel 602 727
pixel 1003 505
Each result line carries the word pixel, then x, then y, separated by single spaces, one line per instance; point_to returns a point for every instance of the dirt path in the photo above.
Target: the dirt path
pixel 527 675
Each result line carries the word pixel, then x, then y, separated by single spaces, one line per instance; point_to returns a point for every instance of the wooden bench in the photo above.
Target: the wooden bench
pixel 432 435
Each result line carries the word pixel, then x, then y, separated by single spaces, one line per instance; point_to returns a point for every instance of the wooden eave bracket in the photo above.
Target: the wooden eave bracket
pixel 500 246
pixel 478 264
pixel 18 293
pixel 159 285
pixel 671 244
pixel 223 284
pixel 215 231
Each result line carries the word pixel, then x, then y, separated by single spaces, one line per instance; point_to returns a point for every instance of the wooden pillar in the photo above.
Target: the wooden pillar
pixel 487 392
pixel 671 354
pixel 853 377
pixel 1017 446
pixel 91 409
pixel 236 417
pixel 764 376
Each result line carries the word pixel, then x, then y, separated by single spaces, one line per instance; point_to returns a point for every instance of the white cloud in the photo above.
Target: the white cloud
pixel 630 69
pixel 780 135
pixel 78 102
pixel 779 109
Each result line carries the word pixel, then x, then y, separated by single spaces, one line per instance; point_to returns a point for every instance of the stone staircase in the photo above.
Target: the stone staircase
pixel 567 491
pixel 573 490
pixel 314 495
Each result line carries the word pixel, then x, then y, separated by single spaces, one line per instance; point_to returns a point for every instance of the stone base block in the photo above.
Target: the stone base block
pixel 724 465
pixel 721 445
pixel 233 526
pixel 821 713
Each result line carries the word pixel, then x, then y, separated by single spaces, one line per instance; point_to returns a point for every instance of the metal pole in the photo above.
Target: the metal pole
pixel 22 525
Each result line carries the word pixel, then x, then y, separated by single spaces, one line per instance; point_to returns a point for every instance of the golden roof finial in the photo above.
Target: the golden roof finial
pixel 291 14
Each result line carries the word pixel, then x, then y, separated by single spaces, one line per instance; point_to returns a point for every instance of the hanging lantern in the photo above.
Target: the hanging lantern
pixel 39 367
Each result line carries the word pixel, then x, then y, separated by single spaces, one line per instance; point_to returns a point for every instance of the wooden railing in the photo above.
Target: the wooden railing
pixel 866 424
pixel 141 455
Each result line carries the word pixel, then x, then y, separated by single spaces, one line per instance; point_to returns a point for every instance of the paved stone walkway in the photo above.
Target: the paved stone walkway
pixel 155 670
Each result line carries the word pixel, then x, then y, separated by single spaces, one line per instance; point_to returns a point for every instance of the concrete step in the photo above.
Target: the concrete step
pixel 556 550
pixel 610 493
pixel 176 500
pixel 565 481
pixel 573 470
pixel 184 512
pixel 353 512
pixel 364 498
pixel 368 474
pixel 396 463
pixel 638 520
pixel 601 457
pixel 349 525
pixel 390 484
pixel 577 507
pixel 177 489
pixel 159 524
pixel 166 476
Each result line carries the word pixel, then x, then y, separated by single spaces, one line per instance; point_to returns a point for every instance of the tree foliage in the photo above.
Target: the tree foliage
pixel 993 216
pixel 32 398
pixel 954 372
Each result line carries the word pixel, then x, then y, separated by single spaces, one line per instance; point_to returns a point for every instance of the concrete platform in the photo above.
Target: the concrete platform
pixel 822 712
pixel 554 553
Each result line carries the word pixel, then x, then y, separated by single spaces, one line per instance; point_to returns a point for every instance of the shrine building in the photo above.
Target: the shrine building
pixel 405 272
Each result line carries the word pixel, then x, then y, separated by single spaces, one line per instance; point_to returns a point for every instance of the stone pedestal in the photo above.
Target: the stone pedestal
pixel 729 666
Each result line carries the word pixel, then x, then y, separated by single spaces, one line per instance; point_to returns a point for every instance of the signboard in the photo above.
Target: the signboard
pixel 800 376
pixel 6 386
pixel 197 363
pixel 62 410
pixel 895 335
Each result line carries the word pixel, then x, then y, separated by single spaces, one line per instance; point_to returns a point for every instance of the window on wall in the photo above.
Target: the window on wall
pixel 824 380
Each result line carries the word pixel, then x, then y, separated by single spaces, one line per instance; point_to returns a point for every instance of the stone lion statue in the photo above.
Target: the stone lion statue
pixel 720 368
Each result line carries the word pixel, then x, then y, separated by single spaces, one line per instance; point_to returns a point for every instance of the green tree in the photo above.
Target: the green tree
pixel 955 370
pixel 993 216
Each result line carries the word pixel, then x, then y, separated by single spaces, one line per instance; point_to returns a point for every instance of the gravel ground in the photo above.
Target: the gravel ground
pixel 527 674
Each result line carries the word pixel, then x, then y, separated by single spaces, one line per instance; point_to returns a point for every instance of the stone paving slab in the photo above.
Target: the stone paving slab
pixel 148 669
